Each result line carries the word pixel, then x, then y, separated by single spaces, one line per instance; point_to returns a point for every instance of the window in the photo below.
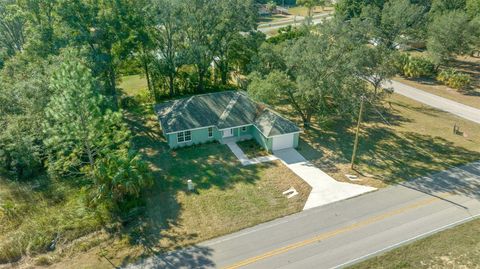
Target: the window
pixel 180 137
pixel 244 128
pixel 188 136
pixel 184 136
pixel 210 131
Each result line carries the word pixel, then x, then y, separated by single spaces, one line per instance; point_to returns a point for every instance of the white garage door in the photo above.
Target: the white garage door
pixel 282 142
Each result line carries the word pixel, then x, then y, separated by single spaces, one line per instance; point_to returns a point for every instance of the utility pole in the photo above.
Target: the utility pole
pixel 355 145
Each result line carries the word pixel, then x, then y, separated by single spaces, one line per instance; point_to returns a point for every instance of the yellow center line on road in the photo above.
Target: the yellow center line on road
pixel 333 233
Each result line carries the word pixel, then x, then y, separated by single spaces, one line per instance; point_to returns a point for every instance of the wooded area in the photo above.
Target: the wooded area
pixel 63 117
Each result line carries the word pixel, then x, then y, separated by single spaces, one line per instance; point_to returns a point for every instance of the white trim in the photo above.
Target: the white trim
pixel 239 126
pixel 221 130
pixel 261 131
pixel 193 129
pixel 297 132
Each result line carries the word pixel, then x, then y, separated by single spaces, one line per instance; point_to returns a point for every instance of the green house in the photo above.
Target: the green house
pixel 224 117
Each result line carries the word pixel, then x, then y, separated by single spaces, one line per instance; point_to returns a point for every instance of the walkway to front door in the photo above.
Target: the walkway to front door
pixel 244 160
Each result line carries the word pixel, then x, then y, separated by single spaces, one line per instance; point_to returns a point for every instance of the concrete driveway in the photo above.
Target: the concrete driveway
pixel 325 189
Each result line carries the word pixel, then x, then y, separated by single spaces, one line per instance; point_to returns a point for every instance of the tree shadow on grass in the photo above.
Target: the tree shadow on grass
pixel 408 156
pixel 390 155
pixel 161 229
pixel 425 109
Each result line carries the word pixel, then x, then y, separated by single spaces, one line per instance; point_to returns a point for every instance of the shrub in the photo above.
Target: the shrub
pixel 454 79
pixel 414 67
pixel 43 261
pixel 400 61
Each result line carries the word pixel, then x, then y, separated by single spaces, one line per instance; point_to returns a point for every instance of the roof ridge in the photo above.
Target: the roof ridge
pixel 229 107
pixel 274 112
pixel 266 106
pixel 209 93
pixel 273 122
pixel 194 96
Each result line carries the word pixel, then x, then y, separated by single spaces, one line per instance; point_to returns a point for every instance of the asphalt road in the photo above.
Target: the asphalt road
pixel 342 233
pixel 435 101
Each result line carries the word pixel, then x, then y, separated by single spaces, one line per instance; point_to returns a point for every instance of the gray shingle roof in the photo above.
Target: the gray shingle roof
pixel 271 124
pixel 222 109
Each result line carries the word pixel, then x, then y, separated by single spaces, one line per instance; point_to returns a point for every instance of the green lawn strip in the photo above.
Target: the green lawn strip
pixel 458 247
pixel 133 84
pixel 252 149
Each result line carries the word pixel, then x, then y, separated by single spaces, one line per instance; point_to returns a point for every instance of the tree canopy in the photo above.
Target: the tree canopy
pixel 317 76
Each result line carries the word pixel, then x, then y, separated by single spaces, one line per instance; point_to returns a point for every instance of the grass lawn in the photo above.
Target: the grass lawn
pixel 419 141
pixel 252 149
pixel 228 197
pixel 303 11
pixel 457 247
pixel 470 97
pixel 132 85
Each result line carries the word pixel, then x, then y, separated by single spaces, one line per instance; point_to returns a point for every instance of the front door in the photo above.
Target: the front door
pixel 228 132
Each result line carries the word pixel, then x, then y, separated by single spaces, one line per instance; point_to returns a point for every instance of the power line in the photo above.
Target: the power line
pixel 415 146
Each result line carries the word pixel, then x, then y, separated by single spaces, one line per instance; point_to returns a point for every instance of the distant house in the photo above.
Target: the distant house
pixel 264 11
pixel 224 116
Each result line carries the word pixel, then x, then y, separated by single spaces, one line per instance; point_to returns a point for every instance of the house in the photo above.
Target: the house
pixel 223 117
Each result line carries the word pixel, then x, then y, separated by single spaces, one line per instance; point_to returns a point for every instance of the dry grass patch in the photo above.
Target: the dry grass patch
pixel 228 196
pixel 457 247
pixel 177 220
pixel 214 212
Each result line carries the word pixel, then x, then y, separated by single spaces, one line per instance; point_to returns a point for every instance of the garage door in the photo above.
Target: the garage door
pixel 282 142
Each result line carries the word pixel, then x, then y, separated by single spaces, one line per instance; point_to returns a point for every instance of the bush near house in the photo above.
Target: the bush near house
pixel 414 66
pixel 454 79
